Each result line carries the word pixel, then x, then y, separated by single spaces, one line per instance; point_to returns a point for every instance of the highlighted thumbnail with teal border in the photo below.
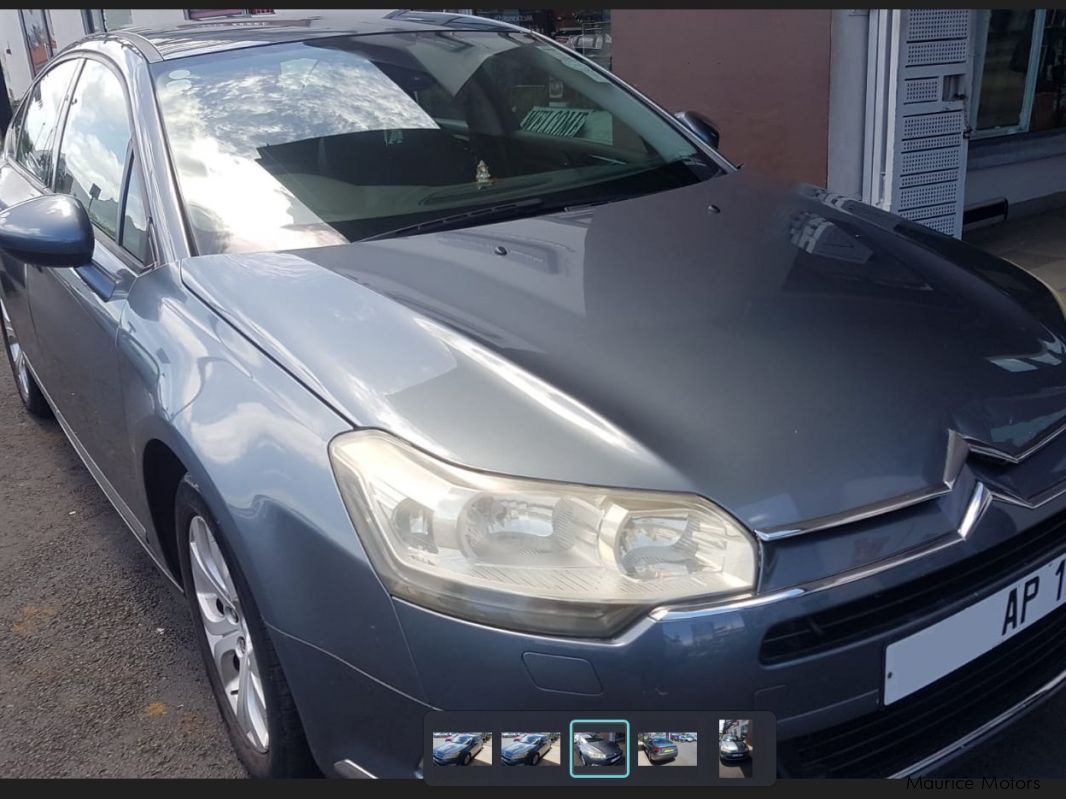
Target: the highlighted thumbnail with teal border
pixel 599 776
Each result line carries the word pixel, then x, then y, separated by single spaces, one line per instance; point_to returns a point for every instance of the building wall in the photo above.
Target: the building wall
pixel 68 26
pixel 761 75
pixel 1029 186
pixel 847 100
pixel 157 16
pixel 13 57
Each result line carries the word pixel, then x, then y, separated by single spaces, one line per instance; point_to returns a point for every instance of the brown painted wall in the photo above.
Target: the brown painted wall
pixel 761 75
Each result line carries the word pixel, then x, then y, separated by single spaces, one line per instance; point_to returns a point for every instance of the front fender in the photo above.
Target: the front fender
pixel 255 442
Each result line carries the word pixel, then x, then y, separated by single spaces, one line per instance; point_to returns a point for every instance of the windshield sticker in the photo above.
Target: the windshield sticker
pixel 566 122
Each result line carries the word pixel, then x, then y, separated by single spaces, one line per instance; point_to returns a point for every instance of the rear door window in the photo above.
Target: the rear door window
pixel 40 120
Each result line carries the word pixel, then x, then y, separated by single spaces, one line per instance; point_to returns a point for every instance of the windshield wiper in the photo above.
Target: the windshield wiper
pixel 581 204
pixel 492 213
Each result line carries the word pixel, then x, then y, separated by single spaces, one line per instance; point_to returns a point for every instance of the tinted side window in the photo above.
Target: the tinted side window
pixel 41 118
pixel 92 153
pixel 135 220
pixel 11 137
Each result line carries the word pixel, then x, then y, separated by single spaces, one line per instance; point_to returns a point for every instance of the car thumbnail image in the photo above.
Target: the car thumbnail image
pixel 598 749
pixel 462 748
pixel 666 749
pixel 530 749
pixel 734 748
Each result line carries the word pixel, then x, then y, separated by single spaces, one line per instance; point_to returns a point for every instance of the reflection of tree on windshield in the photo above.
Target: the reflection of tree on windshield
pixel 321 142
pixel 218 118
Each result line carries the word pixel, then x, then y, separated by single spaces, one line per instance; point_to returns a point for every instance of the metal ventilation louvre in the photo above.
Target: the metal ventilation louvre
pixel 896 607
pixel 936 47
pixel 929 23
pixel 918 149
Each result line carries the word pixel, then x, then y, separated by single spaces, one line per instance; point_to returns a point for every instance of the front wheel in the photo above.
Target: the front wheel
pixel 246 678
pixel 535 759
pixel 29 392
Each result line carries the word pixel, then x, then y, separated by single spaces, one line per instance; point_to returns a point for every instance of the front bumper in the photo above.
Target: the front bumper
pixel 711 660
pixel 516 760
pixel 660 758
pixel 733 756
pixel 609 761
pixel 454 761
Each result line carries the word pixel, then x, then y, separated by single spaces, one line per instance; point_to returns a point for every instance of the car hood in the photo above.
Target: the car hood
pixel 785 352
pixel 514 749
pixel 450 748
pixel 606 747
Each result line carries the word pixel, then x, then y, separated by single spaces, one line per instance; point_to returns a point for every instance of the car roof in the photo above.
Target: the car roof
pixel 190 37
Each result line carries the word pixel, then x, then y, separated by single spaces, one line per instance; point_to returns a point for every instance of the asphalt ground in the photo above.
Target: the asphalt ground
pixel 99 674
pixel 740 770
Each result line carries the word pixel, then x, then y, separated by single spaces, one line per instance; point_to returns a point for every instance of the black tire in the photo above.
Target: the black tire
pixel 26 386
pixel 467 758
pixel 535 759
pixel 287 753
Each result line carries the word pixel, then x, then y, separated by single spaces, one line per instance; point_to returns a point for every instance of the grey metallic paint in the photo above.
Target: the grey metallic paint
pixel 52 230
pixel 794 357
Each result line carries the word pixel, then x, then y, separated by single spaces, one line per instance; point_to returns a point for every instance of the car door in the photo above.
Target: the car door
pixel 25 173
pixel 77 310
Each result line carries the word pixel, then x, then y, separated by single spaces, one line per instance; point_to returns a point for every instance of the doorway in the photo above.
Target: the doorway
pixel 40 45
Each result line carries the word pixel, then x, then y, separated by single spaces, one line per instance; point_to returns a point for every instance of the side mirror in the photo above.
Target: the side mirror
pixel 705 130
pixel 53 230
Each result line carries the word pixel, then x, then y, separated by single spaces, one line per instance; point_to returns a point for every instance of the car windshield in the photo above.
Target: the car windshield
pixel 337 139
pixel 593 739
pixel 529 739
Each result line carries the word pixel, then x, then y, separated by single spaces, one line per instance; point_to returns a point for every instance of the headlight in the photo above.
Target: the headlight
pixel 596 754
pixel 531 555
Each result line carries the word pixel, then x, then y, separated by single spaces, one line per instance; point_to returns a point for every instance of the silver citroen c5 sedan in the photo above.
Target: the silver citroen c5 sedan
pixel 414 344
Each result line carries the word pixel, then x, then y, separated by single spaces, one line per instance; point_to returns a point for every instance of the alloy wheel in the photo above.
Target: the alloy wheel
pixel 17 355
pixel 227 634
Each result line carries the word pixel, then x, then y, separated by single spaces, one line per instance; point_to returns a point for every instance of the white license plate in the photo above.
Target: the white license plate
pixel 924 657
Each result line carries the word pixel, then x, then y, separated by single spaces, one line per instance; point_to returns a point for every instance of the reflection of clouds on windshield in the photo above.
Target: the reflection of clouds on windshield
pixel 219 115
